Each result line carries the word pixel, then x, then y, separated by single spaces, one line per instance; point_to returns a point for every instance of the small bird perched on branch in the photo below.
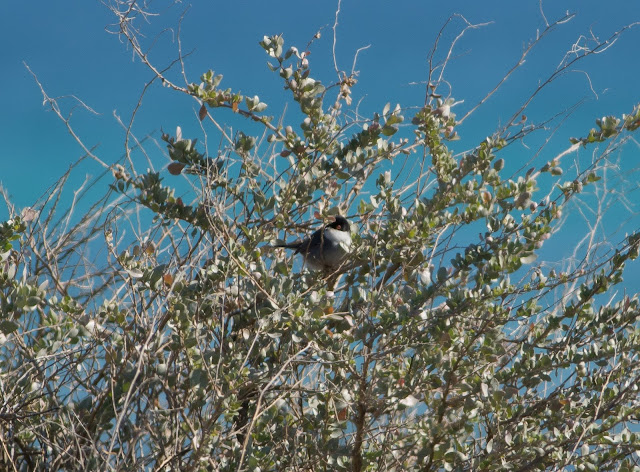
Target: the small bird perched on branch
pixel 327 248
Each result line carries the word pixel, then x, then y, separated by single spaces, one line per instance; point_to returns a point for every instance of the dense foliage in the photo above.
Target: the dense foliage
pixel 190 344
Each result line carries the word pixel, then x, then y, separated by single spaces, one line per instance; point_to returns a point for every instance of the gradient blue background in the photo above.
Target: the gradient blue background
pixel 67 44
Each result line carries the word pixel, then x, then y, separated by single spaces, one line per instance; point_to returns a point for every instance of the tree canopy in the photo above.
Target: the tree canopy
pixel 160 329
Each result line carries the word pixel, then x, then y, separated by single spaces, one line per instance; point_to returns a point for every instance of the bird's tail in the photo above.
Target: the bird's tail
pixel 288 246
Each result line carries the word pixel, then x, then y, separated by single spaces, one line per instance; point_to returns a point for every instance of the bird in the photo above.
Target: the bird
pixel 327 247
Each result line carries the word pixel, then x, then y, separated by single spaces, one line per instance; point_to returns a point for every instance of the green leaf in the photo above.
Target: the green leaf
pixel 389 130
pixel 8 326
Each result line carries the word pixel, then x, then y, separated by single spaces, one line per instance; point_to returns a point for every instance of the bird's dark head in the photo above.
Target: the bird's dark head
pixel 340 223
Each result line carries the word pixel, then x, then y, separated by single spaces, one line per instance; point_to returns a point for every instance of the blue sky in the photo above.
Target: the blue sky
pixel 67 45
